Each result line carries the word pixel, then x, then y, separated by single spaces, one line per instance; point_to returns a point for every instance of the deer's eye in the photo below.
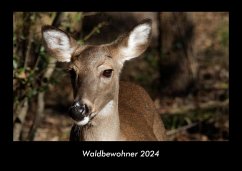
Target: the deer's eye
pixel 107 73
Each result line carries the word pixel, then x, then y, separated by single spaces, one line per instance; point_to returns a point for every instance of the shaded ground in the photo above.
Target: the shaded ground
pixel 54 127
pixel 204 113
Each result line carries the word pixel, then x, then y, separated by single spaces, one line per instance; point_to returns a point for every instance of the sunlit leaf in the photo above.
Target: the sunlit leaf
pixel 21 74
pixel 15 65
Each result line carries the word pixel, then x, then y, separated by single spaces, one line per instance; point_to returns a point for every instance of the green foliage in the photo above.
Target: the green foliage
pixel 15 64
pixel 178 120
pixel 78 17
pixel 152 59
pixel 148 79
pixel 28 56
pixel 81 42
pixel 223 33
pixel 95 30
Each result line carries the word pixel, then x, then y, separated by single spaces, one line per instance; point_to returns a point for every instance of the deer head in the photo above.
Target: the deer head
pixel 95 69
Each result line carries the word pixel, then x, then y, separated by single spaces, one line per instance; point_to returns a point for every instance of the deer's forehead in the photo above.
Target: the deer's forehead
pixel 92 56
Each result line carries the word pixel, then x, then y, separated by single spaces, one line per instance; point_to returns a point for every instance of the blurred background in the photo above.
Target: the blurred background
pixel 185 70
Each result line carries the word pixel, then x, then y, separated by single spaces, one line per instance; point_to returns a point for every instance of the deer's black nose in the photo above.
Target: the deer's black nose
pixel 78 111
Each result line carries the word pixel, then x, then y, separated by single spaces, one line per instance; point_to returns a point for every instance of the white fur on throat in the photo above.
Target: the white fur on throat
pixel 105 126
pixel 57 40
pixel 138 36
pixel 108 109
pixel 84 121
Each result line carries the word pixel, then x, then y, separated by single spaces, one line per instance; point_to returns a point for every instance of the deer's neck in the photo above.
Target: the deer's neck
pixel 105 126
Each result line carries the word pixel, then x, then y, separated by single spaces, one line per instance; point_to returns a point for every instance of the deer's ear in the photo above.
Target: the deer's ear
pixel 58 43
pixel 134 43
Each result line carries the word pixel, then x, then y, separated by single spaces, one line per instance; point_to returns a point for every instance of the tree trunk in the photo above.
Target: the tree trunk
pixel 178 66
pixel 21 113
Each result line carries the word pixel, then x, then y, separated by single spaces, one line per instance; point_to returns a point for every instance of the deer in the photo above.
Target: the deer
pixel 105 108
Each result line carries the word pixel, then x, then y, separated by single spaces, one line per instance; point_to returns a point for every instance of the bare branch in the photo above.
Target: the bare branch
pixel 190 108
pixel 19 119
pixel 89 13
pixel 95 30
pixel 28 51
pixel 181 129
pixel 38 117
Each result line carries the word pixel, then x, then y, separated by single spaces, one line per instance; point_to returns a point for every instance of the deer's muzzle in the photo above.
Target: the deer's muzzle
pixel 78 111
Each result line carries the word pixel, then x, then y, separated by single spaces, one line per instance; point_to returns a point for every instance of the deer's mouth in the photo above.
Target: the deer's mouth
pixel 84 121
pixel 87 119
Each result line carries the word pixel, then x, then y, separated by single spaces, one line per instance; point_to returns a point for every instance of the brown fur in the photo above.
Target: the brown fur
pixel 136 105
